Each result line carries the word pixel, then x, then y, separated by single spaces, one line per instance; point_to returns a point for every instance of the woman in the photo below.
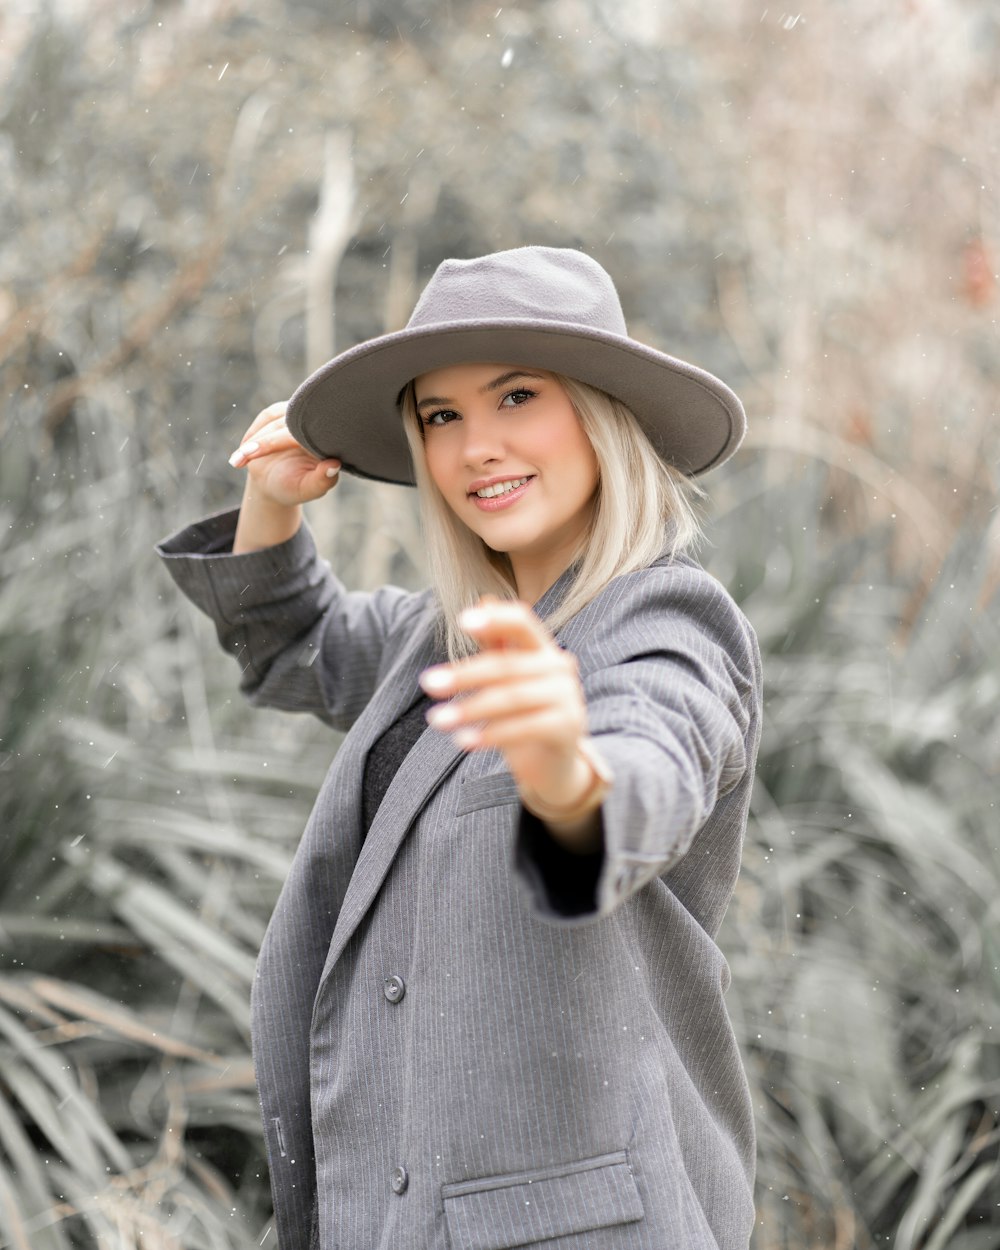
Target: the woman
pixel 489 1008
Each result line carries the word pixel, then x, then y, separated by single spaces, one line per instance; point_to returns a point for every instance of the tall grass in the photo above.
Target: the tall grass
pixel 866 929
pixel 147 827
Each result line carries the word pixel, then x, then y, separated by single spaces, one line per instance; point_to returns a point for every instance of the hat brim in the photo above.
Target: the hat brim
pixel 348 408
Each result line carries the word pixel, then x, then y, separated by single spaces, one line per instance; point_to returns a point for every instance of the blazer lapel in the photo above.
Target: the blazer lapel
pixel 428 764
pixel 425 767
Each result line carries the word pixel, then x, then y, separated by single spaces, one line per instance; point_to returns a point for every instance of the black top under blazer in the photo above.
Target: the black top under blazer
pixel 454 1049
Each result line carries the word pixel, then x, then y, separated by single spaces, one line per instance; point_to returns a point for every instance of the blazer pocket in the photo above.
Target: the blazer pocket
pixel 493 790
pixel 500 1212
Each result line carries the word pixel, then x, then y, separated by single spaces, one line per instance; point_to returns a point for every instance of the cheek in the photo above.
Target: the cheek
pixel 435 465
pixel 577 454
pixel 445 474
pixel 563 440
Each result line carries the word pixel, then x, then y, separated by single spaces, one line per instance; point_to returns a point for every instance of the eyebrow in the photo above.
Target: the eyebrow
pixel 495 385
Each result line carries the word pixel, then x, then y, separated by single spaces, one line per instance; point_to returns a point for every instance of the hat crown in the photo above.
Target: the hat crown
pixel 556 284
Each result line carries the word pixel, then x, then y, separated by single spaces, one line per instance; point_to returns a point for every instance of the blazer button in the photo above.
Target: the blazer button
pixel 399 1178
pixel 394 988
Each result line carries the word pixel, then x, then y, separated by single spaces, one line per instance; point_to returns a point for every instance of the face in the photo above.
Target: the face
pixel 506 449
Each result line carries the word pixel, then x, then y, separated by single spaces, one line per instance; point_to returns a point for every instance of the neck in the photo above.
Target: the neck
pixel 532 579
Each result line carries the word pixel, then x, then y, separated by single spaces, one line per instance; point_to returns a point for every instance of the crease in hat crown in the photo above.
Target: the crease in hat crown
pixel 550 308
pixel 555 284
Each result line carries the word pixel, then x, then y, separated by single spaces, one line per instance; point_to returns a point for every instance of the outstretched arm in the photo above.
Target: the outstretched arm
pixel 668 684
pixel 522 694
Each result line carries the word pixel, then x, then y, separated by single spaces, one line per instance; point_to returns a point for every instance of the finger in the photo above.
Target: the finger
pixel 507 623
pixel 275 428
pixel 495 703
pixel 270 439
pixel 319 480
pixel 546 729
pixel 273 412
pixel 260 434
pixel 496 668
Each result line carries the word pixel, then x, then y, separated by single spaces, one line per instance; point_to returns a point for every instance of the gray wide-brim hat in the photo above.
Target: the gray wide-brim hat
pixel 548 308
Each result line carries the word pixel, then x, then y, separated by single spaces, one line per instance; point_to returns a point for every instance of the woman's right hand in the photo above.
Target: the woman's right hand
pixel 280 470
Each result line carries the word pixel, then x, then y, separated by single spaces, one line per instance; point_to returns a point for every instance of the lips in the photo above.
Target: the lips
pixel 495 489
pixel 486 483
pixel 495 503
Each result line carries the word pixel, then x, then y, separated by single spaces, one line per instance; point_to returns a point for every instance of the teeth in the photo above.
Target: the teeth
pixel 500 488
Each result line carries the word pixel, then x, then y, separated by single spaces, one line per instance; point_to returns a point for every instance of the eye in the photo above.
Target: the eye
pixel 518 397
pixel 441 417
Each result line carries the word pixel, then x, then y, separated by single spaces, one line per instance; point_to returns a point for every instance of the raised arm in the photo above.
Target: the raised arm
pixel 302 641
pixel 281 477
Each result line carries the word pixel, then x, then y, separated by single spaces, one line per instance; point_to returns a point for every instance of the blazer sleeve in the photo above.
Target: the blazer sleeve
pixel 302 641
pixel 672 677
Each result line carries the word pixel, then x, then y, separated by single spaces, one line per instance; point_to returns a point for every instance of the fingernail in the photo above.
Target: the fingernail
pixel 465 738
pixel 241 453
pixel 472 619
pixel 332 472
pixel 434 681
pixel 442 717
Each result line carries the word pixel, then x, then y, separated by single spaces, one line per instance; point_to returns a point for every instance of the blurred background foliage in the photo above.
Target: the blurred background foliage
pixel 202 199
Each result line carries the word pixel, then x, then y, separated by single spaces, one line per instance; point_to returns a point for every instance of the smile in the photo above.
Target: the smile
pixel 500 495
pixel 500 488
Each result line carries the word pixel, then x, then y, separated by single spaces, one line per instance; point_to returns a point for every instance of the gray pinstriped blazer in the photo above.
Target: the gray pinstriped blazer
pixel 445 1060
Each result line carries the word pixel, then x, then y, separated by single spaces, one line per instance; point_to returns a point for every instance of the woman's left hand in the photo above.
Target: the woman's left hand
pixel 522 694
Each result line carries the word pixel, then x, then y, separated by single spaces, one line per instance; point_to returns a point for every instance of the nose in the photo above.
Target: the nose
pixel 482 440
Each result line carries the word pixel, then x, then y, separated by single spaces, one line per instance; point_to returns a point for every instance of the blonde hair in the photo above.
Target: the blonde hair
pixel 644 508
